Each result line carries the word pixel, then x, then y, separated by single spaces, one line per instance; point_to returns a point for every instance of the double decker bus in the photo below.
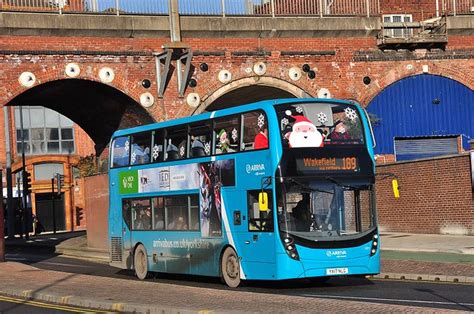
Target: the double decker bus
pixel 274 190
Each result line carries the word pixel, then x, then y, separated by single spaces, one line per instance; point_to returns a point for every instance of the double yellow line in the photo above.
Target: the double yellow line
pixel 48 306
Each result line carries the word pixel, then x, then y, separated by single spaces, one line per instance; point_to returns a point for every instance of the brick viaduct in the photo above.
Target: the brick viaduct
pixel 341 51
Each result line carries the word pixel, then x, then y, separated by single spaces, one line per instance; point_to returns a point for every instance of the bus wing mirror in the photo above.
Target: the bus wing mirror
pixel 263 201
pixel 396 192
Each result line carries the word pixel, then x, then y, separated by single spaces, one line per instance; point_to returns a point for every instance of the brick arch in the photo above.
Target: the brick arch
pixel 251 81
pixel 460 75
pixel 13 88
pixel 76 98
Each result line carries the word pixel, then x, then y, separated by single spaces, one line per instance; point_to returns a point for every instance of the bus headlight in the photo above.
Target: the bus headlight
pixel 375 244
pixel 290 248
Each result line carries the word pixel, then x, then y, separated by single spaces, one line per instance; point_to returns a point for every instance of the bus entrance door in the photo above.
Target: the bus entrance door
pixel 256 239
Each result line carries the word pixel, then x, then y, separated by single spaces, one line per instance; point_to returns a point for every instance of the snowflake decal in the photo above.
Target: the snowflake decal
pixel 156 152
pixel 207 148
pixel 284 122
pixel 322 118
pixel 261 120
pixel 242 146
pixel 181 151
pixel 350 114
pixel 234 135
pixel 134 158
pixel 299 109
pixel 127 146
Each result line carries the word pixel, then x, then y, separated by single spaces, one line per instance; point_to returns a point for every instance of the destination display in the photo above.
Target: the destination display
pixel 327 164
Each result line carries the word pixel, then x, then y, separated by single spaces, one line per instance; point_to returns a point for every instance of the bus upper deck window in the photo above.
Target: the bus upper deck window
pixel 157 152
pixel 120 151
pixel 140 149
pixel 255 131
pixel 200 140
pixel 227 132
pixel 176 143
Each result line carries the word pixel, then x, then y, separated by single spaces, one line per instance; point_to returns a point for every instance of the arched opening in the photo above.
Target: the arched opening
pixel 248 90
pixel 423 116
pixel 54 148
pixel 248 94
pixel 97 108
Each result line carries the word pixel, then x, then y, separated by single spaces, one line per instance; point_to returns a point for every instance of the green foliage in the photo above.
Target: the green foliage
pixel 87 165
pixel 90 165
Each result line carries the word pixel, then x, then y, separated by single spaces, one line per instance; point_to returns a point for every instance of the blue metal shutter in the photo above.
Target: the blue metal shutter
pixel 415 148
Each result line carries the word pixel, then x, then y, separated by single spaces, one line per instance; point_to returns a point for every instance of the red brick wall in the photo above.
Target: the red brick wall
pixel 97 208
pixel 341 73
pixel 436 196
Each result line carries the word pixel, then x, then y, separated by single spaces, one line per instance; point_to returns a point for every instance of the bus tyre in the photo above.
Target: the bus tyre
pixel 140 262
pixel 230 268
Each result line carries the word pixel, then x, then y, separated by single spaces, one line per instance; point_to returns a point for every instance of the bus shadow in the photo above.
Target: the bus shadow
pixel 254 285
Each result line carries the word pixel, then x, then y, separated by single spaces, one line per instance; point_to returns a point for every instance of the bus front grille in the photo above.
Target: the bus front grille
pixel 116 249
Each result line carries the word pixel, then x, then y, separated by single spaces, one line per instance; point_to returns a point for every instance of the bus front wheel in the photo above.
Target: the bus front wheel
pixel 140 262
pixel 230 268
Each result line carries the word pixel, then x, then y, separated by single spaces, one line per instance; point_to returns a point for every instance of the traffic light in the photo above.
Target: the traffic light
pixel 26 182
pixel 79 215
pixel 59 182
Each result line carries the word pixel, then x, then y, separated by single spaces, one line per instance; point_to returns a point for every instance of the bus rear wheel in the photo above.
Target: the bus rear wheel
pixel 230 268
pixel 140 262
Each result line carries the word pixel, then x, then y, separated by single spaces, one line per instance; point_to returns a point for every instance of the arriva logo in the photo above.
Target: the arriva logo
pixel 336 253
pixel 255 168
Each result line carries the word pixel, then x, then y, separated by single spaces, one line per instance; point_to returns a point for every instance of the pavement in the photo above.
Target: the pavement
pixel 443 258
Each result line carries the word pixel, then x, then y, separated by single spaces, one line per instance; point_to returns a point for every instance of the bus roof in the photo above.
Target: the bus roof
pixel 264 104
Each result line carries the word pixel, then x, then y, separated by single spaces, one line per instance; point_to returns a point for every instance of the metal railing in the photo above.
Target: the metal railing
pixel 271 8
pixel 455 7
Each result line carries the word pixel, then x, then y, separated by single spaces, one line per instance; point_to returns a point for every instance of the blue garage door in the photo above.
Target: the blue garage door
pixel 422 106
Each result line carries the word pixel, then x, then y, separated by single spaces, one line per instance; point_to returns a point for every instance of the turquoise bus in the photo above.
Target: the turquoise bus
pixel 274 190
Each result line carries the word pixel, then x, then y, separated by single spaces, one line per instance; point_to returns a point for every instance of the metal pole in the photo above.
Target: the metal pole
pixel 273 7
pixel 2 224
pixel 223 7
pixel 175 31
pixel 320 8
pixel 10 209
pixel 437 8
pixel 54 206
pixel 117 7
pixel 23 161
pixel 367 3
pixel 454 7
pixel 95 7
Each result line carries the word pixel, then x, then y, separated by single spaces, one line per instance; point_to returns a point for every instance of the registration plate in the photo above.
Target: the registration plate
pixel 337 271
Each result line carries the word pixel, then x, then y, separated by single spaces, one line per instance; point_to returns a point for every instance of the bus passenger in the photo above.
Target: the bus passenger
pixel 339 133
pixel 261 139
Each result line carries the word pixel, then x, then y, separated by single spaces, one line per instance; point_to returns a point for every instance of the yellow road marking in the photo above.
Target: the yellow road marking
pixel 47 305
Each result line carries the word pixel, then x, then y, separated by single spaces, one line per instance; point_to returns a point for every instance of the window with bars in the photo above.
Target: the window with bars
pixel 398 32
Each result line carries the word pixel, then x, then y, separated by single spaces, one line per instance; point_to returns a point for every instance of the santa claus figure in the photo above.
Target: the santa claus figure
pixel 304 134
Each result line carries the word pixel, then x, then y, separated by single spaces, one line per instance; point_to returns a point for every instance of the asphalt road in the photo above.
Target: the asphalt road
pixel 411 293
